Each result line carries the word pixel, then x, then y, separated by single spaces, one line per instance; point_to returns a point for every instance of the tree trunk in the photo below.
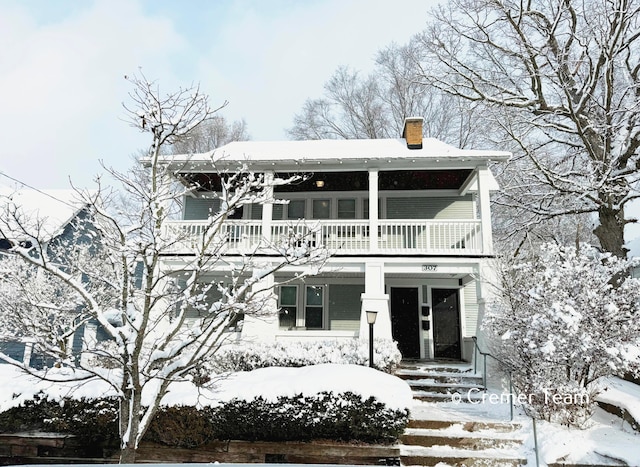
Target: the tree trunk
pixel 610 232
pixel 129 427
pixel 128 454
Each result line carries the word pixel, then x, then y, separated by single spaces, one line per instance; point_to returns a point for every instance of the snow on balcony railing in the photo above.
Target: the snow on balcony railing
pixel 348 236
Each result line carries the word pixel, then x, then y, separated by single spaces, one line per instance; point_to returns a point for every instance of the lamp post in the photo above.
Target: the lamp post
pixel 371 319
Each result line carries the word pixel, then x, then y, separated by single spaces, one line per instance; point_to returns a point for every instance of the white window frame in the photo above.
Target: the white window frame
pixel 323 307
pixel 296 318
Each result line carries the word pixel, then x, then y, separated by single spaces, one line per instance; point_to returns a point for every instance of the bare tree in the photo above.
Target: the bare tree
pixel 121 282
pixel 375 106
pixel 210 135
pixel 352 109
pixel 560 80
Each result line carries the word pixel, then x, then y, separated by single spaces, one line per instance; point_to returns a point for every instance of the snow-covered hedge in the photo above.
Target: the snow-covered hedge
pixel 339 417
pixel 93 421
pixel 251 356
pixel 339 402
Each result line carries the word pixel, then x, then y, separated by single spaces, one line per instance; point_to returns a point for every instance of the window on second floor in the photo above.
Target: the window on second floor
pixel 347 208
pixel 296 209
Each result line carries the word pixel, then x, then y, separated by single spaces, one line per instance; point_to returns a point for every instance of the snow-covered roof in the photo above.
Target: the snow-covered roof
pixel 372 152
pixel 52 209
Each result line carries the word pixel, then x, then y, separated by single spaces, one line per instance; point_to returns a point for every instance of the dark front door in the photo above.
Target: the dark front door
pixel 405 321
pixel 446 323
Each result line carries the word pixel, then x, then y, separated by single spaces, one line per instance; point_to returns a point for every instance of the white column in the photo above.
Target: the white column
pixel 374 299
pixel 484 207
pixel 263 327
pixel 373 210
pixel 267 208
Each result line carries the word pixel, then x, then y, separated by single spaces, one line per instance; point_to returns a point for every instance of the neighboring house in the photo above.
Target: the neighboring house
pixel 55 214
pixel 632 233
pixel 407 221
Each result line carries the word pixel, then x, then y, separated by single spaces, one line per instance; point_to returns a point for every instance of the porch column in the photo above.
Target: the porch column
pixel 267 208
pixel 373 211
pixel 374 299
pixel 263 327
pixel 484 207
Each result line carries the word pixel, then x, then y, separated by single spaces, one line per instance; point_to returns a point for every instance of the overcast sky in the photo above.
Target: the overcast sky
pixel 62 67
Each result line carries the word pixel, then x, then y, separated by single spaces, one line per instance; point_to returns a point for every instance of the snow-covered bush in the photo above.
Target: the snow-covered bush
pixel 341 417
pixel 560 322
pixel 94 422
pixel 251 356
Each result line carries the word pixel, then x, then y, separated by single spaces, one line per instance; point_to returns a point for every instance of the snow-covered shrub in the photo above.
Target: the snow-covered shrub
pixel 94 422
pixel 340 417
pixel 251 356
pixel 560 322
pixel 182 426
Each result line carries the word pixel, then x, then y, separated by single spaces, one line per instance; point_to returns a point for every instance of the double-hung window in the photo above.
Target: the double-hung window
pixel 296 209
pixel 314 307
pixel 321 208
pixel 288 305
pixel 347 208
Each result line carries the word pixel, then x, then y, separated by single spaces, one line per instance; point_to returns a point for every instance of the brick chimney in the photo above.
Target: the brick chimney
pixel 412 132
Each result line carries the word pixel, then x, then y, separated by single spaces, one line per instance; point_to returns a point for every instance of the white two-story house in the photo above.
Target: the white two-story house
pixel 407 222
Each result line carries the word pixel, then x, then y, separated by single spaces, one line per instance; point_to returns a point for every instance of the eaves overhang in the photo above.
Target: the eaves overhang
pixel 333 155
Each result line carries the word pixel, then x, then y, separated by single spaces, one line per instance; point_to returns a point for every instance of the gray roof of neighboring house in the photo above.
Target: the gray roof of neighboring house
pixel 52 209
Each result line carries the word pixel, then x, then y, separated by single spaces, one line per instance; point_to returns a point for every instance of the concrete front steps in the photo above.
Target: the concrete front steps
pixel 442 384
pixel 440 435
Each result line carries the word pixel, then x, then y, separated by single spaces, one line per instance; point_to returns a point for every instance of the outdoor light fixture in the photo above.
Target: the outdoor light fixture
pixel 319 183
pixel 371 319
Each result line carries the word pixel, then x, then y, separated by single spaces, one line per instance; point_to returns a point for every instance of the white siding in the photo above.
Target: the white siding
pixel 470 309
pixel 344 306
pixel 449 207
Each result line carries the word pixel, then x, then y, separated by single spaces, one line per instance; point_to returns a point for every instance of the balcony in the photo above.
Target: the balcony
pixel 341 237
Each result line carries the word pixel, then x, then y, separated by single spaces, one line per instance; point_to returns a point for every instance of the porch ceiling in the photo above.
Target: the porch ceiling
pixel 319 181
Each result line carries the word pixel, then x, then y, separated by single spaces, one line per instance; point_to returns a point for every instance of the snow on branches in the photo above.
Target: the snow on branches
pixel 160 314
pixel 563 320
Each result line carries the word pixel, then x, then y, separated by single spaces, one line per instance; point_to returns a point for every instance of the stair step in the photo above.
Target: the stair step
pixel 470 426
pixel 454 442
pixel 462 461
pixel 462 368
pixel 443 378
pixel 474 443
pixel 466 397
pixel 424 385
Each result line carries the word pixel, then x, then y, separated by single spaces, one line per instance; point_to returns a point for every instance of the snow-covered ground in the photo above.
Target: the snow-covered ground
pixel 269 383
pixel 606 439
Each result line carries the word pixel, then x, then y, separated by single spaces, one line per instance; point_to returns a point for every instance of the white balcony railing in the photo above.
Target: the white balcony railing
pixel 450 237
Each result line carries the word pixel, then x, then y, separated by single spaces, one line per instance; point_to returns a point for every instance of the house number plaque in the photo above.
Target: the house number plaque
pixel 429 267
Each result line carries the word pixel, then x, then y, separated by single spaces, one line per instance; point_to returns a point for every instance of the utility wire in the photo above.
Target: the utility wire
pixel 39 191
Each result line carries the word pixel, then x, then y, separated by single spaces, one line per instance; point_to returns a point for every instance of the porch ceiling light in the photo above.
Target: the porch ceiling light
pixel 371 317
